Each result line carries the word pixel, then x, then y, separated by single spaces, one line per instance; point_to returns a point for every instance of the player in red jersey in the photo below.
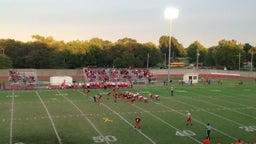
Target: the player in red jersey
pixel 137 122
pixel 206 141
pixel 99 98
pixel 108 95
pixel 189 118
pixel 239 142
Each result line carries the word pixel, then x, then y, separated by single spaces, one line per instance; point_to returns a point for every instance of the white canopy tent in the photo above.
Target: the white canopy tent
pixel 58 80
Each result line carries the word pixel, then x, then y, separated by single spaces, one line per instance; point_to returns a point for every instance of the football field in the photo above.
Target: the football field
pixel 71 117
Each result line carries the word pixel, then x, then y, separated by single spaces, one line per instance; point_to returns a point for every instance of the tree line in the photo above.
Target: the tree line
pixel 46 52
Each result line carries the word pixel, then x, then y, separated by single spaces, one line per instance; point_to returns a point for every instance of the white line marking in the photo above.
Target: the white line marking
pixel 95 128
pixel 50 117
pixel 240 124
pixel 126 122
pixel 129 123
pixel 223 133
pixel 163 121
pixel 11 123
pixel 226 108
pixel 233 138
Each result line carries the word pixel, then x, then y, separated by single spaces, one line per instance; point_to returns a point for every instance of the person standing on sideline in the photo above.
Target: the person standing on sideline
pixel 137 122
pixel 206 141
pixel 208 130
pixel 189 118
pixel 172 89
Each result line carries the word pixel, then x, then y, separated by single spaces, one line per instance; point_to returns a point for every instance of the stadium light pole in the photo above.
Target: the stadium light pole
pixel 239 60
pixel 170 14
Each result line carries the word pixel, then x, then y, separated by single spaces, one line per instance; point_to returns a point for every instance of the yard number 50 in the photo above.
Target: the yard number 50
pixel 102 139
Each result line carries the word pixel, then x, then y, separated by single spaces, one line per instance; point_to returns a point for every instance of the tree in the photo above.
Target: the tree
pixel 177 49
pixel 246 49
pixel 38 56
pixel 252 51
pixel 227 54
pixel 209 58
pixel 196 49
pixel 155 55
pixel 125 60
pixel 15 50
pixel 5 62
pixel 94 55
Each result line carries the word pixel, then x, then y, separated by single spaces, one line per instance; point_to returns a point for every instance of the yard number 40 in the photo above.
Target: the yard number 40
pixel 248 128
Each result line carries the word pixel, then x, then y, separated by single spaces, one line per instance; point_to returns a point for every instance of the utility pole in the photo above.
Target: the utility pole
pixel 239 59
pixel 252 53
pixel 147 60
pixel 197 58
pixel 164 59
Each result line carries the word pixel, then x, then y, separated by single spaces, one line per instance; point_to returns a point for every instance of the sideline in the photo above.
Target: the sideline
pixel 50 117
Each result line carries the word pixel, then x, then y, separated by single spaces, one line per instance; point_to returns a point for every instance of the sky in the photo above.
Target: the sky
pixel 206 21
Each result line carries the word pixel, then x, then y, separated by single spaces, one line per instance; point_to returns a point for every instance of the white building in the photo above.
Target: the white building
pixel 190 78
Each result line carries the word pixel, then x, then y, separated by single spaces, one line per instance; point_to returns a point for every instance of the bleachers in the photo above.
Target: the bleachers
pixel 21 80
pixel 136 75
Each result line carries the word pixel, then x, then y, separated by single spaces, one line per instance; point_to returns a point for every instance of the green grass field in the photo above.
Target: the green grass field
pixel 69 117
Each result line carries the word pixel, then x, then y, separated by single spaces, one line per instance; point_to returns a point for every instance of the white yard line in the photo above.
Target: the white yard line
pixel 163 121
pixel 223 133
pixel 233 97
pixel 11 122
pixel 224 108
pixel 153 142
pixel 129 123
pixel 50 117
pixel 125 121
pixel 84 115
pixel 240 124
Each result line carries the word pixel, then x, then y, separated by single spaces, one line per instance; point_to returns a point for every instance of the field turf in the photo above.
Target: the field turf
pixel 70 117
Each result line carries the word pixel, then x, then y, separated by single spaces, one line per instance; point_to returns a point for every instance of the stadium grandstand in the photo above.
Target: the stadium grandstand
pixel 121 77
pixel 22 80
